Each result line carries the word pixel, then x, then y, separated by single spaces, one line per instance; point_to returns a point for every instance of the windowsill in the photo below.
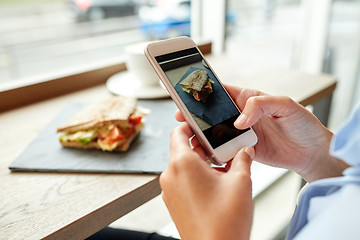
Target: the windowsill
pixel 40 89
pixel 23 82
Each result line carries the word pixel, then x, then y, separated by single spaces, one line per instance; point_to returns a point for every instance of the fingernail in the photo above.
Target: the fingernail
pixel 221 169
pixel 241 120
pixel 250 151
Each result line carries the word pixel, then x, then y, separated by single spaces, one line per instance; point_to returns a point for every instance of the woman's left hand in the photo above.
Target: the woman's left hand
pixel 203 202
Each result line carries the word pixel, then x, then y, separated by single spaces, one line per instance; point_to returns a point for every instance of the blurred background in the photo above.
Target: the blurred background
pixel 51 37
pixel 40 37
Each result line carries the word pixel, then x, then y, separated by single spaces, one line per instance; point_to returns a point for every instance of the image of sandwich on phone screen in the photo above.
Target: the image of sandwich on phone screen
pixel 200 96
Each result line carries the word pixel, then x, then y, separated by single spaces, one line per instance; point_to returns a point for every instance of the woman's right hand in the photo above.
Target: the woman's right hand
pixel 289 136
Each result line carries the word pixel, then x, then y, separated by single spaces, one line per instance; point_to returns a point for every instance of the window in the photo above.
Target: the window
pixel 48 39
pixel 264 31
pixel 57 37
pixel 314 36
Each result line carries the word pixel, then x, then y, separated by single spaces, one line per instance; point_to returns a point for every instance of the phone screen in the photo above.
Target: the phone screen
pixel 203 95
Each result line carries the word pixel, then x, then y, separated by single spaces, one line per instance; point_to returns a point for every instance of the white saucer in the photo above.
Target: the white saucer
pixel 125 84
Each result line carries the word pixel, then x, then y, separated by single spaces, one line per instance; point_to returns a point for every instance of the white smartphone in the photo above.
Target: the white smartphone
pixel 200 96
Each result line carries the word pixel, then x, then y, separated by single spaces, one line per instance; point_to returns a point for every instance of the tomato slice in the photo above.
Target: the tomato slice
pixel 115 134
pixel 135 120
pixel 196 96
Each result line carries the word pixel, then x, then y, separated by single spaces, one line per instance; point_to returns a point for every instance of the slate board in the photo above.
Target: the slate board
pixel 212 111
pixel 149 153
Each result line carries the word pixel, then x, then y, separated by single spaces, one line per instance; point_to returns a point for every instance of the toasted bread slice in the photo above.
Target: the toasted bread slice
pixel 114 110
pixel 195 80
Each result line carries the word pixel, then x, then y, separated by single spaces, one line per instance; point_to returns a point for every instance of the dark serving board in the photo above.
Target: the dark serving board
pixel 149 153
pixel 213 111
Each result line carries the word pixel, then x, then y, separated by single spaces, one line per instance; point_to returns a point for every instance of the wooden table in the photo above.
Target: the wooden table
pixel 74 206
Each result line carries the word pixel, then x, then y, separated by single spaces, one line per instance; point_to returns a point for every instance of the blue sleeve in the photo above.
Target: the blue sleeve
pixel 329 208
pixel 346 143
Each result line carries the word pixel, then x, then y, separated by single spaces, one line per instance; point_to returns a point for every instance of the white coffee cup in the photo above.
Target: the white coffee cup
pixel 138 65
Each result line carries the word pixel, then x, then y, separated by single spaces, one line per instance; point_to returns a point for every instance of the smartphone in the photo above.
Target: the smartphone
pixel 200 96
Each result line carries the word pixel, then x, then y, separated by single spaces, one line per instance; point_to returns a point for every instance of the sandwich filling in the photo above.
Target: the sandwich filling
pixel 198 84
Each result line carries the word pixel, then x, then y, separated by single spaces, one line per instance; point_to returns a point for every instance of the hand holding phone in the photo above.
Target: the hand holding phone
pixel 220 203
pixel 200 96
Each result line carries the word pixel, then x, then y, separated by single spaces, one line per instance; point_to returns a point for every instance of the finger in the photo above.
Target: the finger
pixel 221 169
pixel 259 106
pixel 163 196
pixel 241 95
pixel 179 117
pixel 228 165
pixel 242 160
pixel 224 168
pixel 194 141
pixel 233 90
pixel 200 151
pixel 179 138
pixel 180 149
pixel 195 144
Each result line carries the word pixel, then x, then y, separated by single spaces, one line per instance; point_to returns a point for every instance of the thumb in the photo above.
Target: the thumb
pixel 242 160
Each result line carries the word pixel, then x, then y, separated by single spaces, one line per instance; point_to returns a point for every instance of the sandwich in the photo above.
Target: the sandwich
pixel 110 125
pixel 198 84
